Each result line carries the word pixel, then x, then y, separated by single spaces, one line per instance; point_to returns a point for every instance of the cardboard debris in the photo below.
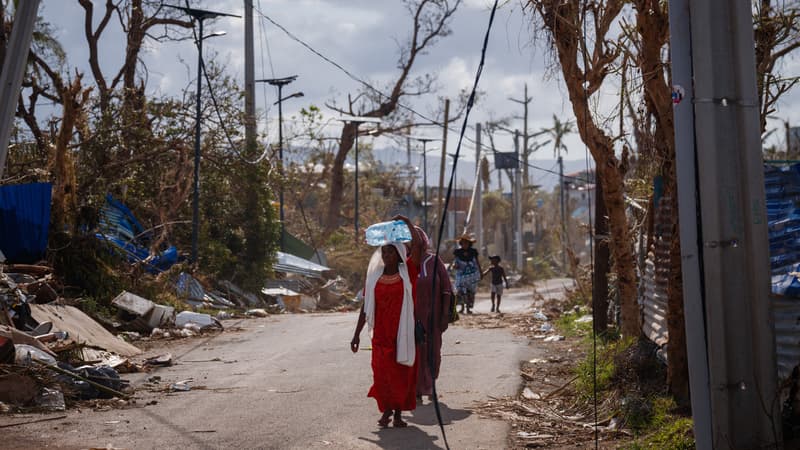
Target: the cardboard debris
pixel 82 329
pixel 19 337
pixel 94 356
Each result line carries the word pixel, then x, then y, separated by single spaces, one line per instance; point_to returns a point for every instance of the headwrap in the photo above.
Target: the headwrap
pixel 426 242
pixel 405 347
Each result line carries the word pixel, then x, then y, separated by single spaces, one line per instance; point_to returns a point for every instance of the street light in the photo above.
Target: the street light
pixel 280 83
pixel 199 15
pixel 356 120
pixel 424 141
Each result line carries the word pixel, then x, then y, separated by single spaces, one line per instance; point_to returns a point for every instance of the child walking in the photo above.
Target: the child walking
pixel 498 276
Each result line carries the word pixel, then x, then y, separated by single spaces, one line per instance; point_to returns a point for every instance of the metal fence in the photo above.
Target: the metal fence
pixel 783 211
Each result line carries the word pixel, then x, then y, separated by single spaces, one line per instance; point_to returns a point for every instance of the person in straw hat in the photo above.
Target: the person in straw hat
pixel 468 272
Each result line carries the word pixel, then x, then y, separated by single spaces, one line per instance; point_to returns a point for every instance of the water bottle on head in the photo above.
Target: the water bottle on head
pixel 384 233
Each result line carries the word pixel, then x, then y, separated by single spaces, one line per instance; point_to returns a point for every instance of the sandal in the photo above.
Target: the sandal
pixel 383 422
pixel 399 423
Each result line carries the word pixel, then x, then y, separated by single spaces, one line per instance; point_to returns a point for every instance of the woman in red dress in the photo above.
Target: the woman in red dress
pixel 389 310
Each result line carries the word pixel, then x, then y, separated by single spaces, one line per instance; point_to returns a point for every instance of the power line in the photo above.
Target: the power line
pixel 264 42
pixel 400 105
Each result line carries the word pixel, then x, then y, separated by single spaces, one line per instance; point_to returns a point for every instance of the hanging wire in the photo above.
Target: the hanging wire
pixel 370 86
pixel 222 122
pixel 442 221
pixel 591 231
pixel 264 42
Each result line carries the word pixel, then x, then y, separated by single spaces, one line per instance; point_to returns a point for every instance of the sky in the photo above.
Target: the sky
pixel 362 37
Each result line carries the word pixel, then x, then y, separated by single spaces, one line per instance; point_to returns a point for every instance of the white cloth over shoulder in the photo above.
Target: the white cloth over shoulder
pixel 406 347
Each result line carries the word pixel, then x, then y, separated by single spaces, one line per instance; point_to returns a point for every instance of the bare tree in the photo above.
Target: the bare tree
pixel 585 62
pixel 777 34
pixel 430 21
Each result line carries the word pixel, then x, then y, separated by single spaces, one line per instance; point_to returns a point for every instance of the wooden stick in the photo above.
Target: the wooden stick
pixel 99 386
pixel 546 397
pixel 33 421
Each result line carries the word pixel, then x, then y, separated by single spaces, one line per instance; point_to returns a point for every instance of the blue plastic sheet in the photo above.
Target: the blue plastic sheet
pixel 24 221
pixel 119 227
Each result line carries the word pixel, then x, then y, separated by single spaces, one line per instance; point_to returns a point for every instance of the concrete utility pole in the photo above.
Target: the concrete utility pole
pixel 16 58
pixel 440 201
pixel 478 190
pixel 744 401
pixel 525 136
pixel 249 79
pixel 517 205
pixel 686 172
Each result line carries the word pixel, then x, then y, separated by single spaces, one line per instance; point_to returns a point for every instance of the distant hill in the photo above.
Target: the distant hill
pixel 544 172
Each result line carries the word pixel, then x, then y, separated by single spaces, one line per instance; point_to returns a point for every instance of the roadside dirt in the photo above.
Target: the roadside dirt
pixel 547 411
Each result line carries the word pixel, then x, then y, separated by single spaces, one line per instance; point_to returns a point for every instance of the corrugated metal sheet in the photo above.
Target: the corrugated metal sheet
pixel 654 306
pixel 786 316
pixel 655 280
pixel 294 264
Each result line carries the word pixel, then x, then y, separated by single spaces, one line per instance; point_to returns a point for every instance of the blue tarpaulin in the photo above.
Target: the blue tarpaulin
pixel 24 221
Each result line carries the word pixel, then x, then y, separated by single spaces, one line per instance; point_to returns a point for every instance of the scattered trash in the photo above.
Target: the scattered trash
pixel 546 327
pixel 160 360
pixel 184 317
pixel 51 399
pixel 192 328
pixel 530 395
pixel 538 315
pixel 554 338
pixel 188 332
pixel 527 435
pixel 257 312
pixel 26 355
pixel 130 335
pixel 584 319
pixel 181 386
pixel 537 361
pixel 159 333
pixel 224 315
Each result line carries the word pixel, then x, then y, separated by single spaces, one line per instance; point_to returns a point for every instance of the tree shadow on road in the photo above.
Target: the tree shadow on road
pixel 404 439
pixel 426 414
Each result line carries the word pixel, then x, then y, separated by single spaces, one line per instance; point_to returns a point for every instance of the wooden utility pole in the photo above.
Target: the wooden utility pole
pixel 440 201
pixel 525 136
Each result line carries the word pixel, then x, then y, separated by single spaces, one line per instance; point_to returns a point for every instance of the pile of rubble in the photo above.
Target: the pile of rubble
pixel 52 354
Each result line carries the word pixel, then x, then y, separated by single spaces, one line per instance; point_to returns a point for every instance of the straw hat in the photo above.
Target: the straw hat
pixel 466 237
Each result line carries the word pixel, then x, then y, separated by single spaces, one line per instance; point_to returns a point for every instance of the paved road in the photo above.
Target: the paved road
pixel 291 382
pixel 519 300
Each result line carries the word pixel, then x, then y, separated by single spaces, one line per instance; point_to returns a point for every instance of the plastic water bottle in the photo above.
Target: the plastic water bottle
pixel 387 232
